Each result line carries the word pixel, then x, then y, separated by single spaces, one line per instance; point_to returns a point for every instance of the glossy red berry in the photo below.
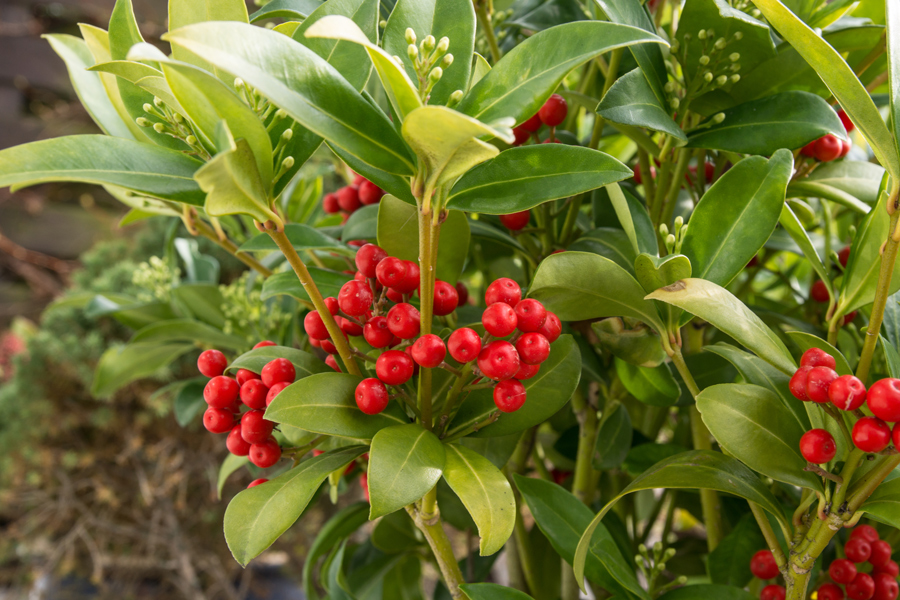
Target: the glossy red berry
pixel 404 321
pixel 314 326
pixel 871 434
pixel 844 256
pixel 236 443
pixel 394 367
pixel 516 221
pixel 772 592
pixel 847 392
pixel 866 532
pixel 463 293
pixel 410 283
pixel 830 591
pixel 331 303
pixel 509 395
pixel 367 259
pixel 221 392
pixel 845 120
pixel 526 371
pixel 828 148
pixel 275 390
pixel 377 333
pixel 503 290
pixel 264 344
pixel 861 588
pixel 348 198
pixel 429 351
pixel 520 136
pixel 846 147
pixel 391 271
pixel 371 396
pixel 330 204
pixel 278 370
pixel 499 360
pixel 763 565
pixel 552 327
pixel 531 315
pixel 819 292
pixel 816 357
pixel 817 446
pixel 532 124
pixel 883 399
pixel 554 111
pixel 881 553
pixel 253 393
pixel 394 296
pixel 355 298
pixel 218 420
pixel 255 427
pixel 369 193
pixel 211 363
pixel 886 587
pixel 842 571
pixel 499 319
pixel 891 568
pixel 331 361
pixel 797 384
pixel 328 346
pixel 266 453
pixel 257 482
pixel 817 383
pixel 349 327
pixel 244 375
pixel 446 298
pixel 464 345
pixel 533 348
pixel 858 550
pixel 809 149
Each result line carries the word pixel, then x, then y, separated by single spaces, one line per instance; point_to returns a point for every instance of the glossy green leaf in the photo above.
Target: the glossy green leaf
pixel 485 231
pixel 189 330
pixel 492 591
pixel 395 533
pixel 231 464
pixel 257 517
pixel 792 225
pixel 607 242
pixel 405 462
pixel 724 311
pixel 485 492
pixel 287 283
pixel 579 286
pixel 203 301
pixel 522 178
pixel 639 345
pixel 653 272
pixel 141 74
pixel 128 312
pixel 362 225
pixel 120 365
pixel 736 216
pixel 808 340
pixel 316 95
pixel 100 159
pixel 546 15
pixel 892 19
pixel 546 393
pixel 525 77
pixel 286 9
pixel 398 234
pixel 858 178
pixel 651 385
pixel 810 189
pixel 305 364
pixel 189 403
pixel 394 185
pixel 613 438
pixel 188 12
pixel 786 120
pixel 729 563
pixel 480 68
pixel 891 357
pixel 884 504
pixel 705 591
pixel 302 237
pixel 498 450
pixel 633 218
pixel 324 403
pixel 341 525
pixel 632 101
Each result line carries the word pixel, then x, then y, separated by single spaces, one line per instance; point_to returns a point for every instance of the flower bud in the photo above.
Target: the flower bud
pixel 142 122
pixel 675 103
pixel 735 78
pixel 159 128
pixel 178 118
pixel 191 140
pixel 436 74
pixel 428 43
pixel 148 108
pixel 443 44
pixel 238 83
pixel 157 102
pixel 710 33
pixel 722 79
pixel 287 163
pixel 280 114
pixel 670 241
pixel 718 118
pixel 412 51
pixel 663 230
pixel 679 221
pixel 708 76
pixel 720 43
pixel 455 98
pixel 701 35
pixel 704 60
pixel 738 35
pixel 734 56
pixel 287 134
pixel 448 60
pixel 410 36
pixel 735 67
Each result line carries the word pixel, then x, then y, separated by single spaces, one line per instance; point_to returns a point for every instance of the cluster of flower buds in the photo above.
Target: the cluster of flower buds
pixel 351 198
pixel 551 114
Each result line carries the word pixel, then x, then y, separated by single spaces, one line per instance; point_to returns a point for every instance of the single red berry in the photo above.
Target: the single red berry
pixel 330 204
pixel 828 148
pixel 842 571
pixel 331 361
pixel 891 568
pixel 509 395
pixel 531 315
pixel 364 484
pixel 847 392
pixel 533 348
pixel 554 111
pixel 819 292
pixel 410 283
pixel 809 149
pixel 266 453
pixel 881 553
pixel 264 344
pixel 357 178
pixel 275 390
pixel 278 370
pixel 257 482
pixel 861 588
pixel 255 427
pixel 532 124
pixel 866 532
pixel 552 327
pixel 348 198
pixel 394 296
pixel 314 326
pixel 367 259
pixel 521 136
pixel 394 367
pixel 244 375
pixel 516 221
pixel 371 396
pixel 871 434
pixel 377 333
pixel 499 360
pixel 355 298
pixel 211 363
pixel 221 391
pixel 391 271
pixel 817 382
pixel 499 319
pixel 503 290
pixel 446 298
pixel 464 345
pixel 763 565
pixel 844 256
pixel 328 346
pixel 709 171
pixel 526 371
pixel 845 120
pixel 404 321
pixel 797 384
pixel 369 193
pixel 829 591
pixel 349 327
pixel 883 399
pixel 429 351
pixel 772 592
pixel 218 420
pixel 253 393
pixel 816 357
pixel 332 304
pixel 858 550
pixel 886 587
pixel 463 292
pixel 817 446
pixel 236 443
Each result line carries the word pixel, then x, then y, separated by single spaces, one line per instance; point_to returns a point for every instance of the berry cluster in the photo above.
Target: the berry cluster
pixel 551 114
pixel 351 198
pixel 880 581
pixel 249 433
pixel 817 381
pixel 829 147
pixel 763 566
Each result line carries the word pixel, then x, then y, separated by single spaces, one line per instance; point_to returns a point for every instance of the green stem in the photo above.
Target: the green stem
pixel 768 533
pixel 437 538
pixel 484 19
pixel 671 199
pixel 583 483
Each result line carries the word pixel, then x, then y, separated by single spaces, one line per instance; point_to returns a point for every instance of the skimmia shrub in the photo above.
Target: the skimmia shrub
pixel 513 262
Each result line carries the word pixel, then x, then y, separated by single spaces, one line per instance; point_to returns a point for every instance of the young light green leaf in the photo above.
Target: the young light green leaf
pixel 792 225
pixel 189 330
pixel 653 272
pixel 231 464
pixel 296 10
pixel 633 218
pixel 188 12
pixel 632 101
pixel 120 365
pixel 394 185
pixel 405 462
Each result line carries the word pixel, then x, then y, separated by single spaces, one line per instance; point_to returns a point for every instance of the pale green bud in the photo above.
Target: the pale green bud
pixel 280 114
pixel 443 44
pixel 148 108
pixel 734 56
pixel 679 221
pixel 455 98
pixel 660 567
pixel 663 230
pixel 704 60
pixel 708 76
pixel 142 122
pixel 191 140
pixel 722 79
pixel 159 128
pixel 382 23
pixel 720 43
pixel 642 549
pixel 735 78
pixel 718 118
pixel 287 134
pixel 675 46
pixel 157 102
pixel 436 74
pixel 658 547
pixel 670 86
pixel 675 103
pixel 238 83
pixel 670 241
pixel 681 580
pixel 710 33
pixel 428 43
pixel 410 36
pixel 448 60
pixel 670 552
pixel 178 118
pixel 735 67
pixel 738 35
pixel 701 35
pixel 287 163
pixel 412 51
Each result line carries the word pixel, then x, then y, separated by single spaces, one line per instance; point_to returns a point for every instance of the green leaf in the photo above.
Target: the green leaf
pixel 120 365
pixel 753 425
pixel 203 301
pixel 286 9
pixel 808 340
pixel 704 591
pixel 312 91
pixel 188 330
pixel 736 216
pixel 522 178
pixel 792 225
pixel 811 189
pixel 486 493
pixel 127 312
pixel 786 120
pixel 651 385
pixel 188 12
pixel 189 402
pixel 653 272
pixel 498 450
pixel 891 357
pixel 398 234
pixel 639 345
pixel 101 159
pixel 324 403
pixel 884 504
pixel 729 563
pixel 257 517
pixel 342 524
pixel 525 77
pixel 390 183
pixel 702 469
pixel 892 20
pixel 305 364
pixel 724 311
pixel 302 237
pixel 287 283
pixel 861 179
pixel 362 225
pixel 578 286
pixel 405 462
pixel 633 218
pixel 486 231
pixel 453 19
pixel 395 533
pixel 632 101
pixel 231 464
pixel 613 438
pixel 547 392
pixel 840 79
pixel 546 15
pixel 609 243
pixel 492 591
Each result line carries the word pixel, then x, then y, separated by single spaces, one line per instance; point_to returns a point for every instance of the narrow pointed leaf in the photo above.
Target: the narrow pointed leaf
pixel 188 12
pixel 120 365
pixel 631 101
pixel 405 462
pixel 189 330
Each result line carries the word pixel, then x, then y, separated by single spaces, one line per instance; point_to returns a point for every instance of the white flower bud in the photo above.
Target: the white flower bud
pixel 287 134
pixel 448 60
pixel 157 102
pixel 718 118
pixel 159 128
pixel 734 56
pixel 722 79
pixel 436 74
pixel 679 221
pixel 412 51
pixel 410 36
pixel 287 163
pixel 701 35
pixel 704 60
pixel 142 122
pixel 735 78
pixel 148 108
pixel 720 43
pixel 708 76
pixel 428 43
pixel 443 44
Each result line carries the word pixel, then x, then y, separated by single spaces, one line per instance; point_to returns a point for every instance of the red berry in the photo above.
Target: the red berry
pixel 221 392
pixel 394 296
pixel 314 326
pixel 331 303
pixel 531 315
pixel 391 271
pixel 274 391
pixel 861 588
pixel 816 357
pixel 218 420
pixel 266 453
pixel 264 344
pixel 809 149
pixel 763 565
pixel 847 392
pixel 886 587
pixel 533 348
pixel 503 290
pixel 828 148
pixel 253 393
pixel 819 292
pixel 499 360
pixel 328 346
pixel 410 283
pixel 404 321
pixel 243 376
pixel 211 363
pixel 871 434
pixel 364 484
pixel 330 204
pixel 883 399
pixel 464 345
pixel 257 482
pixel 881 553
pixel 377 333
pixel 348 198
pixel 394 367
pixel 236 443
pixel 331 361
pixel 367 259
pixel 509 395
pixel 866 532
pixel 526 371
pixel 521 136
pixel 844 256
pixel 371 396
pixel 355 298
pixel 446 298
pixel 772 592
pixel 532 124
pixel 429 351
pixel 891 568
pixel 554 111
pixel 552 327
pixel 349 327
pixel 845 148
pixel 278 370
pixel 817 382
pixel 709 171
pixel 858 550
pixel 369 193
pixel 516 221
pixel 829 591
pixel 842 571
pixel 499 319
pixel 845 120
pixel 797 384
pixel 817 446
pixel 255 427
pixel 463 292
